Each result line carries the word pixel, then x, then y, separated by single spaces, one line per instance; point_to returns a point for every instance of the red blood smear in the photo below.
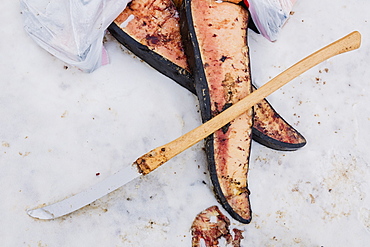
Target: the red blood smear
pixel 246 3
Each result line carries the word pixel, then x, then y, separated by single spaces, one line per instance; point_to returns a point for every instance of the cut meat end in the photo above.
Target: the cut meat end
pixel 154 23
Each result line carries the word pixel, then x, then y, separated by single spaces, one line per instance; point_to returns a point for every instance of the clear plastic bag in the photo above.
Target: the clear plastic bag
pixel 71 30
pixel 270 15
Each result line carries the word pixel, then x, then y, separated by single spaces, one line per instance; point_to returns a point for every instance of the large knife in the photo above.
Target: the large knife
pixel 155 158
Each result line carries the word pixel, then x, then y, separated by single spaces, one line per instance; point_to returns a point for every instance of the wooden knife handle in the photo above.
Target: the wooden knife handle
pixel 150 161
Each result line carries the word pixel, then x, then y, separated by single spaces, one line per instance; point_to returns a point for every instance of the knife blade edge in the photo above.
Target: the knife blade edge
pixel 87 196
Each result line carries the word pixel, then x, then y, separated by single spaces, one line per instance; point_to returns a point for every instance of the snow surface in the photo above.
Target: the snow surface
pixel 63 130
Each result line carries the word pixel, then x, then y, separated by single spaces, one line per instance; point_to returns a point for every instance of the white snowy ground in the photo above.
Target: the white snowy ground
pixel 59 127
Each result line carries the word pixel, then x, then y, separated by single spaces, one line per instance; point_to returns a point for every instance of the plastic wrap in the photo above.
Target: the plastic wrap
pixel 269 16
pixel 71 30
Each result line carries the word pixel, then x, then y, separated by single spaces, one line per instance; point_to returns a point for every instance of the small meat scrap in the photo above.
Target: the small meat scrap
pixel 211 225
